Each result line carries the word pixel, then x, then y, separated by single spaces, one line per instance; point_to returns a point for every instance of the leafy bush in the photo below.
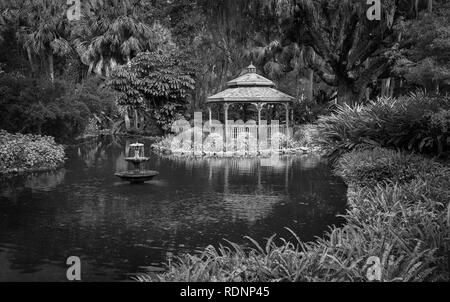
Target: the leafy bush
pixel 164 144
pixel 156 82
pixel 306 135
pixel 370 167
pixel 167 114
pixel 308 111
pixel 405 224
pixel 414 123
pixel 20 153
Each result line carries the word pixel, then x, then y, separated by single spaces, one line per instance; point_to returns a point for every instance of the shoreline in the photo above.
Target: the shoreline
pixel 334 256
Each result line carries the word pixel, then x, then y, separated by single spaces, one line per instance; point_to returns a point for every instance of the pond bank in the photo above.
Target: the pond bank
pixel 165 145
pixel 397 220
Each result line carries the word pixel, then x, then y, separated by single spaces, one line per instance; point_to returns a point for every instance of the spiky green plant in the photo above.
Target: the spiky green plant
pixel 414 123
pixel 403 223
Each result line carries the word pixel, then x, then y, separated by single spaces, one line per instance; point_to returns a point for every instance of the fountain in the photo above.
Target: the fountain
pixel 138 174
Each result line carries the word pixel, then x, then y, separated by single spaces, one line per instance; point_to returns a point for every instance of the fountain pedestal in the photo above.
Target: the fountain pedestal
pixel 138 175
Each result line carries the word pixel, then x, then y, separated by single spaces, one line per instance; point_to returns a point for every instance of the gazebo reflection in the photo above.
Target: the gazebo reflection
pixel 250 208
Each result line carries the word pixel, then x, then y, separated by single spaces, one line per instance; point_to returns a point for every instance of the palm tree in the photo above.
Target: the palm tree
pixel 42 31
pixel 111 33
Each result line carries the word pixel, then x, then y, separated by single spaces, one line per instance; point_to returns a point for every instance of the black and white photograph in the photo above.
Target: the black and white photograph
pixel 232 144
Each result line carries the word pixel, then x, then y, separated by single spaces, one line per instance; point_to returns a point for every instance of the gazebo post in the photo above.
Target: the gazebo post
pixel 259 107
pixel 210 115
pixel 225 107
pixel 286 105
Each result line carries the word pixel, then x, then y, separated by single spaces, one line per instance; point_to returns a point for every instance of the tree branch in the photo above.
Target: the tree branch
pixel 350 31
pixel 325 76
pixel 310 17
pixel 365 51
pixel 377 67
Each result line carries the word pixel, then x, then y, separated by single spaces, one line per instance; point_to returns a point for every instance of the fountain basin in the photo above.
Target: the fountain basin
pixel 137 177
pixel 137 159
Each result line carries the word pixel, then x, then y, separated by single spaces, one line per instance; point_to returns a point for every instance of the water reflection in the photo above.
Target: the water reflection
pixel 85 210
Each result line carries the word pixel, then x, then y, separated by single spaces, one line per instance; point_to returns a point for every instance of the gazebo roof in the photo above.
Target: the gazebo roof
pixel 250 88
pixel 250 95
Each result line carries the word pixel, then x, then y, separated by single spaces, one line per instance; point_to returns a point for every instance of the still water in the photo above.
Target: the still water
pixel 115 228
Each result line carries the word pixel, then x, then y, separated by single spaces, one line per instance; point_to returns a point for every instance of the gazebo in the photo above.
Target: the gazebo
pixel 253 89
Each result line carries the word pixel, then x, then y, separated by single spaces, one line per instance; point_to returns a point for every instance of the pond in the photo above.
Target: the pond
pixel 115 228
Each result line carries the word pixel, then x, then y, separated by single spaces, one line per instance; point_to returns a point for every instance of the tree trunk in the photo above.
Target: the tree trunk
pixel 136 120
pixel 392 87
pixel 30 59
pixel 99 66
pixel 367 93
pixel 127 120
pixel 385 87
pixel 311 76
pixel 50 63
pixel 91 66
pixel 107 69
pixel 112 64
pixel 416 7
pixel 311 85
pixel 142 122
pixel 430 6
pixel 345 95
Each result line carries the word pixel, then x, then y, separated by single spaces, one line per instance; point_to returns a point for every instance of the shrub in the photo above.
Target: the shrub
pixel 306 135
pixel 164 143
pixel 370 167
pixel 20 152
pixel 308 111
pixel 414 123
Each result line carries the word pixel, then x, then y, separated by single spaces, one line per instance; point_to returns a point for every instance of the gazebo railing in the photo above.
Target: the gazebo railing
pixel 236 130
pixel 239 133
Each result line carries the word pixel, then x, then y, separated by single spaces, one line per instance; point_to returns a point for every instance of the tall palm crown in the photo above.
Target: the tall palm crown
pixel 43 29
pixel 112 32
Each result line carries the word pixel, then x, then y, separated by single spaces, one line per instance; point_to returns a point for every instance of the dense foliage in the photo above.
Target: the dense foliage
pixel 418 122
pixel 156 82
pixel 379 166
pixel 314 50
pixel 19 153
pixel 403 222
pixel 59 110
pixel 426 61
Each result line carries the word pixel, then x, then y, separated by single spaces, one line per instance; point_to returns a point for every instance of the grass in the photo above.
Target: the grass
pixel 404 221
